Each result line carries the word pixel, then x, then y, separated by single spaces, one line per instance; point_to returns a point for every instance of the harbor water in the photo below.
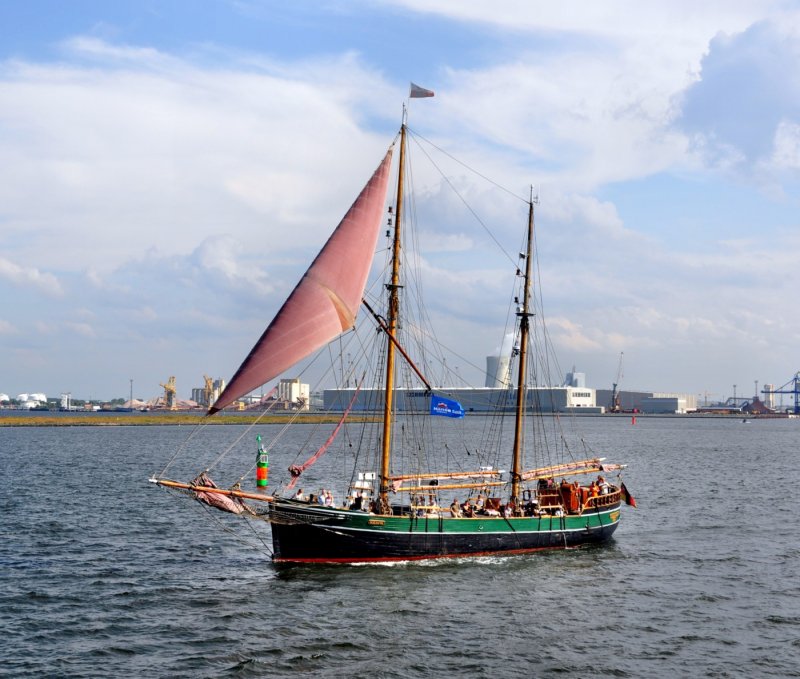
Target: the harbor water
pixel 106 575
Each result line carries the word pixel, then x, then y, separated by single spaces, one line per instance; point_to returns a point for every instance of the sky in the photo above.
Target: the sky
pixel 168 170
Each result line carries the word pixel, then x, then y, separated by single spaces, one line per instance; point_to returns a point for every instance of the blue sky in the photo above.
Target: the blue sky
pixel 168 168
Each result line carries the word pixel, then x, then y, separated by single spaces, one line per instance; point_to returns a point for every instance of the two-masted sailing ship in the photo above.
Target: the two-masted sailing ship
pixel 409 496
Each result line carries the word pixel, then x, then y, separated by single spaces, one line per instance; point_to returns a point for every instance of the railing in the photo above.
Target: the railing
pixel 603 500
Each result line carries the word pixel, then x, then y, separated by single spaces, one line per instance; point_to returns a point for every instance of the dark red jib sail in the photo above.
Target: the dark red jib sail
pixel 326 300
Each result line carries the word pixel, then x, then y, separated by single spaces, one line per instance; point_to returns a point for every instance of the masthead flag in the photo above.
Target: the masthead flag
pixel 418 92
pixel 446 407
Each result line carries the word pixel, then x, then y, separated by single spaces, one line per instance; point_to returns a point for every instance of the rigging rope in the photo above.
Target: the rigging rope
pixel 295 470
pixel 416 135
pixel 200 425
pixel 461 197
pixel 243 434
pixel 217 518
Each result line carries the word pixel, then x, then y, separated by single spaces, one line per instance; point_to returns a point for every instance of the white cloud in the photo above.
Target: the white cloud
pixel 94 278
pixel 591 90
pixel 145 314
pixel 786 145
pixel 44 328
pixel 754 130
pixel 82 329
pixel 182 195
pixel 220 258
pixel 30 277
pixel 683 19
pixel 100 50
pixel 143 149
pixel 571 336
pixel 436 242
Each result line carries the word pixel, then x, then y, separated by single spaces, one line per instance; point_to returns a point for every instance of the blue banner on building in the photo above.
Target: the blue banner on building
pixel 446 407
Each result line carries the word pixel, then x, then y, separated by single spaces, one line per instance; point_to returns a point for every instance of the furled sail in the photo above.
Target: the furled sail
pixel 326 300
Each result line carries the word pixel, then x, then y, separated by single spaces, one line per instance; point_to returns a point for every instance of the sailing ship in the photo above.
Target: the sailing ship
pixel 397 510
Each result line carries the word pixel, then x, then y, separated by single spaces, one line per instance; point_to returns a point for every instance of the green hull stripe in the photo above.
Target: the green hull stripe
pixel 479 526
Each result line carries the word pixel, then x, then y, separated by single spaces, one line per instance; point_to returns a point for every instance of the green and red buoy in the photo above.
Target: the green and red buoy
pixel 262 465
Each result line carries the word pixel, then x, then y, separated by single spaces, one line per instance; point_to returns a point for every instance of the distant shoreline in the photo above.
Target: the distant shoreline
pixel 110 418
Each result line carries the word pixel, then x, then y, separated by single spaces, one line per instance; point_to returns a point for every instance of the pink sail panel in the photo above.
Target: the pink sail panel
pixel 326 300
pixel 226 504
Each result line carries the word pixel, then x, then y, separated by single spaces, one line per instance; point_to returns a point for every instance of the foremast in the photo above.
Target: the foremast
pixel 524 314
pixel 391 329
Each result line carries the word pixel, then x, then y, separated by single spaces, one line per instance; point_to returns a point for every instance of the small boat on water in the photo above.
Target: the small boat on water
pixel 528 491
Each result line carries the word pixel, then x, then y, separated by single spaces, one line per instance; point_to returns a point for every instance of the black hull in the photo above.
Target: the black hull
pixel 345 537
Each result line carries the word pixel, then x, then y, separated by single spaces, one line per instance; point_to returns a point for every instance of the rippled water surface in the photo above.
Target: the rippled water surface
pixel 105 575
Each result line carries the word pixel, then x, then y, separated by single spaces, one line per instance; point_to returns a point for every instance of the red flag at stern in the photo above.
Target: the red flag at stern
pixel 629 499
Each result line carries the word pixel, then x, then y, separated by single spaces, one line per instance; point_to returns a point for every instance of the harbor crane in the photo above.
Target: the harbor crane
pixel 784 389
pixel 169 394
pixel 615 406
pixel 208 390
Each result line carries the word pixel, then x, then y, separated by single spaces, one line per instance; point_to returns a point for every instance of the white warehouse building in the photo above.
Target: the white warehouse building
pixel 544 399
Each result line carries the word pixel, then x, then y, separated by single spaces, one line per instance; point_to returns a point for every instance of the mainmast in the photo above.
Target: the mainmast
pixel 524 314
pixel 391 329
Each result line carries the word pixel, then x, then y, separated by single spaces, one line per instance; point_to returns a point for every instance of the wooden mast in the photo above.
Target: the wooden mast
pixel 524 314
pixel 391 329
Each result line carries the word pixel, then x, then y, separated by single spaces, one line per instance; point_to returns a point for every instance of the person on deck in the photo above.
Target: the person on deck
pixel 299 495
pixel 455 509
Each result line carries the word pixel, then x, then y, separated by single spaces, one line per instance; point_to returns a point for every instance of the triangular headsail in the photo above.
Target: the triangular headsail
pixel 326 300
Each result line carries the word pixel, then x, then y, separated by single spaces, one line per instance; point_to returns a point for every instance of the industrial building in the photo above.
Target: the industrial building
pixel 499 395
pixel 294 394
pixel 209 392
pixel 652 402
pixel 546 399
pixel 669 403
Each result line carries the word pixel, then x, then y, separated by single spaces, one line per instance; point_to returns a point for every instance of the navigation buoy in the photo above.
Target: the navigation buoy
pixel 262 465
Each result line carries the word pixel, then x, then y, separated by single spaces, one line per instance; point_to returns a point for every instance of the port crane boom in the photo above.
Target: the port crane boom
pixel 615 406
pixel 783 389
pixel 169 393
